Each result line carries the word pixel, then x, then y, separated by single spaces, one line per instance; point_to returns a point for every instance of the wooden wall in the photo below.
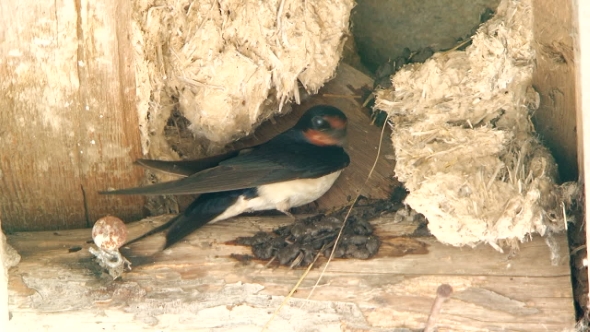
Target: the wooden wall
pixel 582 52
pixel 554 79
pixel 68 123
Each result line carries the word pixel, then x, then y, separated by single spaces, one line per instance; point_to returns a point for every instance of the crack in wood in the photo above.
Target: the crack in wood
pixel 86 211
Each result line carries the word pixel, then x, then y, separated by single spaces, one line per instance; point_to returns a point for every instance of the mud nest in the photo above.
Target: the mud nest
pixel 465 146
pixel 226 66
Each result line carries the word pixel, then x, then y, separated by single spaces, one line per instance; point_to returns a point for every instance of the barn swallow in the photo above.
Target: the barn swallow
pixel 292 169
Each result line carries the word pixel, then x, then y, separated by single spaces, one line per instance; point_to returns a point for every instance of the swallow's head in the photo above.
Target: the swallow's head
pixel 323 125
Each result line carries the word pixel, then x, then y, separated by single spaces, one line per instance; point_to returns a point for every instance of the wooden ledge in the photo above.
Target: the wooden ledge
pixel 197 286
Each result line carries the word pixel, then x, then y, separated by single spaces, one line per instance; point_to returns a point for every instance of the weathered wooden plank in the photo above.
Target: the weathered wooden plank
pixel 196 286
pixel 581 17
pixel 555 80
pixel 68 121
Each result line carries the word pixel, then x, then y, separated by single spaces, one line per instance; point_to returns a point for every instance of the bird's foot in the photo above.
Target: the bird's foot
pixel 289 214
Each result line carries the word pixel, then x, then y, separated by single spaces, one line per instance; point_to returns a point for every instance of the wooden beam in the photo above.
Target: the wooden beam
pixel 581 14
pixel 68 117
pixel 197 286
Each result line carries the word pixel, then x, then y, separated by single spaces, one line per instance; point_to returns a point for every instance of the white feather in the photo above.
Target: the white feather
pixel 282 196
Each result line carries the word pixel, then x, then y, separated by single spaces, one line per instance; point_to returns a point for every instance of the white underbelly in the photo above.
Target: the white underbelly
pixel 296 192
pixel 282 195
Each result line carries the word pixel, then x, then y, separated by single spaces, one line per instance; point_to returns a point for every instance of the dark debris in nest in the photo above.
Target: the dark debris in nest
pixel 298 244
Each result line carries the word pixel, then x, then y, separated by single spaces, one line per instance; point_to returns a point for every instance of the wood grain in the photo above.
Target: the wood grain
pixel 68 123
pixel 195 285
pixel 581 17
pixel 554 79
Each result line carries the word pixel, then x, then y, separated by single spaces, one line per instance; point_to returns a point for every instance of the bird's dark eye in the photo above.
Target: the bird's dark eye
pixel 319 122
